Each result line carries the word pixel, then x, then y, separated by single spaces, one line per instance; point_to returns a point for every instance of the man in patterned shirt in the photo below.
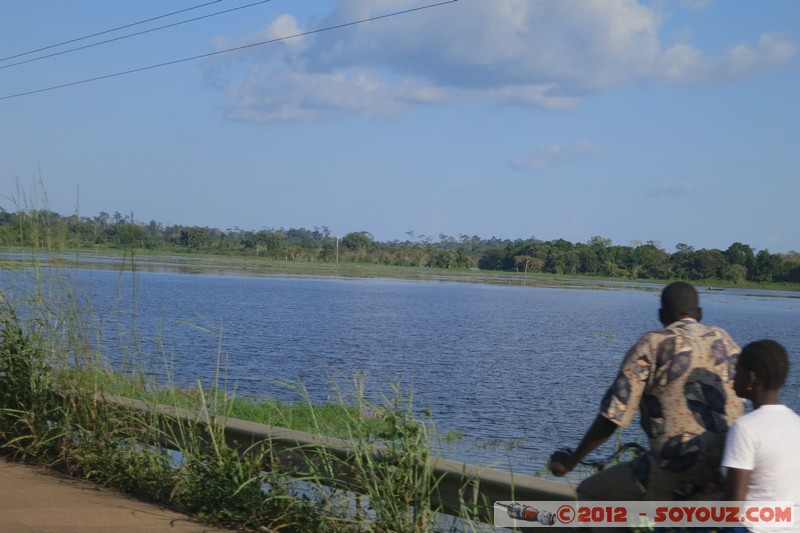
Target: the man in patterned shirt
pixel 681 379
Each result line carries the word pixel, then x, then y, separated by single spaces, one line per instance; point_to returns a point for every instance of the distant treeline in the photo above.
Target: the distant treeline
pixel 599 256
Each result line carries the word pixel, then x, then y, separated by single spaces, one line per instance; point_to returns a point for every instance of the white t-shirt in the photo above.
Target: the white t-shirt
pixel 767 441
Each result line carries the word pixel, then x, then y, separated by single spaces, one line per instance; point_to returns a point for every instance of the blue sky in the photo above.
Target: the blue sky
pixel 666 120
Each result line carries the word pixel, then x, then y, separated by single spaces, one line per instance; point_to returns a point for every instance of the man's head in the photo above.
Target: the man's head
pixel 679 300
pixel 764 362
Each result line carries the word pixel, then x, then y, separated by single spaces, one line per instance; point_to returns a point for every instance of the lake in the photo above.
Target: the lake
pixel 517 370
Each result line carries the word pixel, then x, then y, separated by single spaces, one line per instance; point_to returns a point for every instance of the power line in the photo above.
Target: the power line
pixel 134 34
pixel 108 31
pixel 228 50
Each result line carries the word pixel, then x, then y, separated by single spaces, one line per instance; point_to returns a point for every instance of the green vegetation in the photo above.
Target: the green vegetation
pixel 44 229
pixel 330 419
pixel 739 264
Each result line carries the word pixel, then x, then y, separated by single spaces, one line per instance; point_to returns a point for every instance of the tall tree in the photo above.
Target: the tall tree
pixel 740 254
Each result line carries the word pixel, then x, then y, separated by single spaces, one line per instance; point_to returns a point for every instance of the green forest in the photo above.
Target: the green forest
pixel 47 230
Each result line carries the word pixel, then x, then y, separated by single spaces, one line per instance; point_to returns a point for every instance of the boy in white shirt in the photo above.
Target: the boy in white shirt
pixel 762 451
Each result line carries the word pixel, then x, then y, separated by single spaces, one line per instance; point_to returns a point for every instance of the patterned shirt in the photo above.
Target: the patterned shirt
pixel 681 379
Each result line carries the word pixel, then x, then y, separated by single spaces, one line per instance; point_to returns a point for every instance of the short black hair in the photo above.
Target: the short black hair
pixel 680 300
pixel 768 360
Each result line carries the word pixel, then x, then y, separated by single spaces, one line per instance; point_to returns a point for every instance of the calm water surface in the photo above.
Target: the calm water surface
pixel 519 370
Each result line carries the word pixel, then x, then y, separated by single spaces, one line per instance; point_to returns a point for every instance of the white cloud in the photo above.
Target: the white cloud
pixel 772 49
pixel 533 95
pixel 284 30
pixel 683 64
pixel 318 96
pixel 542 54
pixel 549 155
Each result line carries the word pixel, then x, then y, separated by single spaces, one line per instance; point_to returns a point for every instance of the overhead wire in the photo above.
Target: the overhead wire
pixel 109 31
pixel 134 34
pixel 228 50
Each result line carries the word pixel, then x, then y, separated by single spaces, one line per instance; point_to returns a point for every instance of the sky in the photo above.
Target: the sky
pixel 675 121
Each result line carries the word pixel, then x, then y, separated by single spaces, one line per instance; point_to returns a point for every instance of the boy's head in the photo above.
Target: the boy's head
pixel 767 360
pixel 679 300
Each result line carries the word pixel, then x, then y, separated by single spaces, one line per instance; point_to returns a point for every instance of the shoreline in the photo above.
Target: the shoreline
pixel 11 258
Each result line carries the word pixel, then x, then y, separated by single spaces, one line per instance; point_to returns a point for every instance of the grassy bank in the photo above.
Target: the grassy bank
pixel 350 415
pixel 253 266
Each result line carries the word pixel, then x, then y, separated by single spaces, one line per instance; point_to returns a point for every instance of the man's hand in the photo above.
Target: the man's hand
pixel 562 462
